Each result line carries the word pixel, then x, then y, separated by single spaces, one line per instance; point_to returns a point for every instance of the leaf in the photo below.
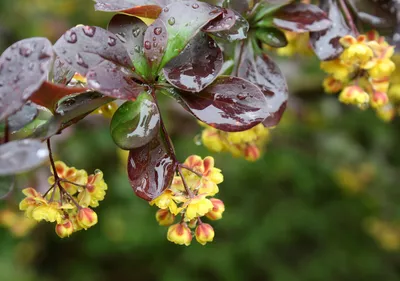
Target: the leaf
pixel 62 72
pixel 141 8
pixel 240 6
pixel 230 104
pixel 24 66
pixel 155 44
pixel 49 94
pixel 84 47
pixel 197 66
pixel 113 81
pixel 130 31
pixel 22 117
pixel 221 23
pixel 21 156
pixel 237 32
pixel 135 123
pixel 272 37
pixel 326 43
pixel 183 21
pixel 151 169
pixel 7 184
pixel 263 72
pixel 298 17
pixel 378 14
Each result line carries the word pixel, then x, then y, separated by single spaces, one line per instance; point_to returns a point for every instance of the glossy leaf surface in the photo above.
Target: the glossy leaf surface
pixel 223 22
pixel 326 43
pixel 141 8
pixel 183 21
pixel 24 66
pixel 151 169
pixel 300 17
pixel 135 123
pixel 264 73
pixel 130 31
pixel 378 14
pixel 84 47
pixel 272 37
pixel 237 32
pixel 22 117
pixel 155 44
pixel 197 66
pixel 113 81
pixel 7 184
pixel 21 156
pixel 229 104
pixel 62 72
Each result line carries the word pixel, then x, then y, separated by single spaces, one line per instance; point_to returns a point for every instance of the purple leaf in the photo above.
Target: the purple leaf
pixel 240 6
pixel 113 81
pixel 130 31
pixel 141 8
pixel 155 43
pixel 326 43
pixel 375 13
pixel 84 47
pixel 230 104
pixel 197 66
pixel 237 32
pixel 24 66
pixel 264 73
pixel 223 22
pixel 300 17
pixel 151 169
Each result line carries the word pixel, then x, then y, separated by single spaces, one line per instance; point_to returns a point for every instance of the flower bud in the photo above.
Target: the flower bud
pixel 64 229
pixel 217 210
pixel 379 99
pixel 331 85
pixel 179 234
pixel 164 217
pixel 252 153
pixel 204 233
pixel 86 218
pixel 354 95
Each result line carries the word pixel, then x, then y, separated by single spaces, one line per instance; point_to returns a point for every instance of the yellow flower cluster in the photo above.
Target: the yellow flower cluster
pixel 107 110
pixel 298 44
pixel 16 222
pixel 362 72
pixel 247 144
pixel 386 233
pixel 188 196
pixel 68 201
pixel 355 179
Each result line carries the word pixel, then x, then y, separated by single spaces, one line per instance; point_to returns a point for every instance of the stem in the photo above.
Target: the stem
pixel 240 57
pixel 191 170
pixel 73 183
pixel 349 17
pixel 63 191
pixel 6 131
pixel 53 166
pixel 188 191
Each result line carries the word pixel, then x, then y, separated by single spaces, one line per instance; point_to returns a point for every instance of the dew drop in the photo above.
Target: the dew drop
pixel 70 37
pixel 16 78
pixel 31 66
pixel 8 58
pixel 147 45
pixel 111 41
pixel 137 49
pixel 197 140
pixel 1 84
pixel 171 21
pixel 25 50
pixel 155 44
pixel 136 32
pixel 157 30
pixel 89 30
pixel 242 96
pixel 244 87
pixel 42 68
pixel 166 10
pixel 13 47
pixel 80 61
pixel 195 6
pixel 121 36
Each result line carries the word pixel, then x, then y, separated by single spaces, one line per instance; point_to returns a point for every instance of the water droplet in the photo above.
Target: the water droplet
pixel 242 96
pixel 44 54
pixel 25 50
pixel 244 87
pixel 13 47
pixel 121 36
pixel 80 61
pixel 111 41
pixel 147 45
pixel 171 21
pixel 136 32
pixel 8 57
pixel 157 30
pixel 212 44
pixel 31 66
pixel 166 10
pixel 70 37
pixel 16 78
pixel 42 68
pixel 137 49
pixel 197 140
pixel 195 6
pixel 155 44
pixel 89 30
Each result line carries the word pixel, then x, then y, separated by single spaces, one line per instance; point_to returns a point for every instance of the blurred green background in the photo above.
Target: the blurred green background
pixel 321 204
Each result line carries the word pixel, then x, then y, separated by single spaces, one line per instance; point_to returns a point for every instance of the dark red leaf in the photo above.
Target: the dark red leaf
pixel 151 169
pixel 326 43
pixel 378 14
pixel 197 66
pixel 140 8
pixel 223 22
pixel 49 94
pixel 130 31
pixel 113 81
pixel 237 32
pixel 300 17
pixel 230 104
pixel 23 68
pixel 155 43
pixel 263 72
pixel 84 47
pixel 240 6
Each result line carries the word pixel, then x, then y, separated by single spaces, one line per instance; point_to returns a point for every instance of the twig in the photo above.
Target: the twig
pixel 349 18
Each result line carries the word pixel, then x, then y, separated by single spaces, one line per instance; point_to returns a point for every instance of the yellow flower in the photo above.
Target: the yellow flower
pixel 337 70
pixel 86 218
pixel 212 140
pixel 71 174
pixel 383 68
pixel 164 217
pixel 218 209
pixel 354 95
pixel 95 190
pixel 331 85
pixel 379 99
pixel 64 229
pixel 356 51
pixel 386 113
pixel 204 233
pixel 198 207
pixel 166 201
pixel 107 110
pixel 50 213
pixel 179 234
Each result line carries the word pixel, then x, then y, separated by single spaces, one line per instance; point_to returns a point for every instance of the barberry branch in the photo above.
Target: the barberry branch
pixel 188 190
pixel 191 170
pixel 349 18
pixel 6 131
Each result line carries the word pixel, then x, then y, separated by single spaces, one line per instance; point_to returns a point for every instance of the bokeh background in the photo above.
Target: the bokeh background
pixel 321 204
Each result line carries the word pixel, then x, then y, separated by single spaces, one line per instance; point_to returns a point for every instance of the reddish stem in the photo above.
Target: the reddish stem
pixel 349 18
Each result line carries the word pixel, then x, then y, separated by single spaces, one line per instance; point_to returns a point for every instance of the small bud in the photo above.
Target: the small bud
pixel 164 217
pixel 204 233
pixel 331 85
pixel 379 99
pixel 354 95
pixel 86 218
pixel 179 234
pixel 64 229
pixel 252 153
pixel 217 210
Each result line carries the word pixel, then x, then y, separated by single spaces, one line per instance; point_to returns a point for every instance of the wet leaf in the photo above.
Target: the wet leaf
pixel 7 184
pixel 155 44
pixel 130 31
pixel 141 8
pixel 22 117
pixel 49 94
pixel 84 47
pixel 272 37
pixel 240 6
pixel 229 104
pixel 113 81
pixel 300 17
pixel 197 66
pixel 135 123
pixel 151 169
pixel 21 156
pixel 183 21
pixel 263 72
pixel 326 43
pixel 375 13
pixel 62 72
pixel 24 66
pixel 237 32
pixel 223 22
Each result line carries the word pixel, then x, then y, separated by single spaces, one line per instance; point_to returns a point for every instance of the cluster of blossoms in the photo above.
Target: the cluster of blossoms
pixel 355 178
pixel 247 144
pixel 16 222
pixel 190 196
pixel 362 72
pixel 387 233
pixel 68 201
pixel 298 44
